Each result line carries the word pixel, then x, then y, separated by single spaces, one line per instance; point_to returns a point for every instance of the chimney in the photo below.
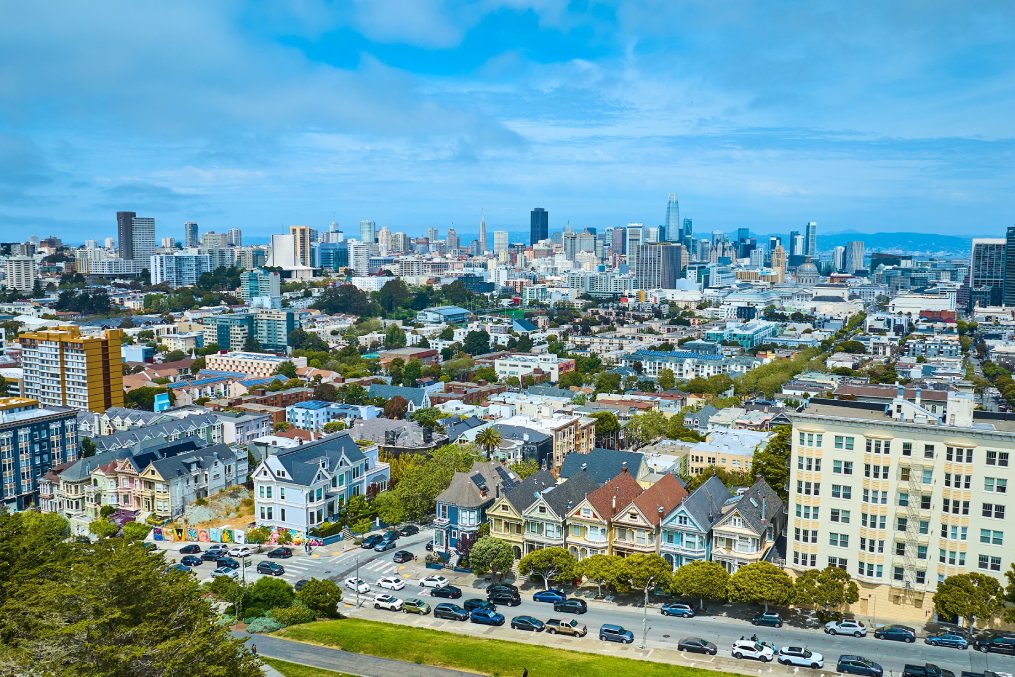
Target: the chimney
pixel 623 467
pixel 585 466
pixel 916 398
pixel 614 503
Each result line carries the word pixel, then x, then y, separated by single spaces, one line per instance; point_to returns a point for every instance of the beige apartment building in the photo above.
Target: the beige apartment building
pixel 901 497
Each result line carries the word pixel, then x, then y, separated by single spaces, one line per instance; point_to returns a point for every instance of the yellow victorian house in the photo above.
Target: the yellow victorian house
pixel 590 523
pixel 506 515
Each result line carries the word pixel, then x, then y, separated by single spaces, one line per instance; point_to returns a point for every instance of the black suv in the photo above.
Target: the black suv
pixel 506 597
pixel 571 605
pixel 999 643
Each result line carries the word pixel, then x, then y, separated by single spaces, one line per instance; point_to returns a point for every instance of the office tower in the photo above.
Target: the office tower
pixel 21 273
pixel 399 243
pixel 853 259
pixel 811 241
pixel 453 242
pixel 618 243
pixel 384 240
pixel 482 234
pixel 62 367
pixel 259 283
pixel 757 257
pixel 743 234
pixel 586 241
pixel 717 238
pixel 136 236
pixel 333 256
pixel 190 234
pixel 779 262
pixel 179 270
pixel 634 239
pixel 539 225
pixel 797 245
pixel 986 271
pixel 303 239
pixel 125 234
pixel 109 244
pixel 333 234
pixel 213 240
pixel 838 259
pixel 359 257
pixel 432 234
pixel 500 242
pixel 570 241
pixel 658 265
pixel 235 237
pixel 688 228
pixel 367 231
pixel 1008 295
pixel 672 226
pixel 650 234
pixel 34 440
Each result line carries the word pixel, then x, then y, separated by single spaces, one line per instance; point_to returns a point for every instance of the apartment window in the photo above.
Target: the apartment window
pixel 874 496
pixel 907 448
pixel 903 499
pixel 991 537
pixel 281 494
pixel 281 514
pixel 839 562
pixel 898 574
pixel 873 521
pixel 839 540
pixel 994 510
pixel 927 476
pixel 260 491
pixel 809 464
pixel 878 446
pixel 904 474
pixel 841 516
pixel 842 491
pixel 870 570
pixel 995 485
pixel 807 512
pixel 921 552
pixel 928 451
pixel 805 560
pixel 925 527
pixel 872 545
pixel 878 472
pixel 842 467
pixel 901 523
pixel 958 454
pixel 805 535
pixel 925 504
pixel 998 458
pixel 844 442
pixel 900 548
pixel 921 576
pixel 808 488
pixel 989 563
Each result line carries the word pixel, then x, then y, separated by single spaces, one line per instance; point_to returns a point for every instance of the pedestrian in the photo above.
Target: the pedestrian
pixel 525 672
pixel 253 649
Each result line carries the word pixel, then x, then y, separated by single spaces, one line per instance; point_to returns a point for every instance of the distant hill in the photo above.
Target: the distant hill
pixel 916 243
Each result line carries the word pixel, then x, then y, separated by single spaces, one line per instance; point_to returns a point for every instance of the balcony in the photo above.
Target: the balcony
pixel 441 522
pixel 678 549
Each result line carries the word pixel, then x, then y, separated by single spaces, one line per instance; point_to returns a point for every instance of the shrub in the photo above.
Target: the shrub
pixel 293 615
pixel 264 624
pixel 201 501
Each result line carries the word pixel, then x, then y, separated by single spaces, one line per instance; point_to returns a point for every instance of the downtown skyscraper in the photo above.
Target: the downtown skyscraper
pixel 136 236
pixel 987 271
pixel 539 225
pixel 673 231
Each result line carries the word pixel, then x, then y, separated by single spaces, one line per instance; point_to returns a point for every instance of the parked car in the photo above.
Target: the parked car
pixel 390 583
pixel 270 568
pixel 384 546
pixel 505 597
pixel 415 606
pixel 191 561
pixel 858 665
pixel 433 582
pixel 529 623
pixel 190 549
pixel 450 612
pixel 300 584
pixel 551 595
pixel 447 592
pixel 802 656
pixel 677 609
pixel 954 640
pixel 486 617
pixel 846 626
pixel 475 603
pixel 280 553
pixel 408 530
pixel 183 568
pixel 388 602
pixel 226 571
pixel 571 605
pixel 697 645
pixel 370 542
pixel 615 633
pixel 502 587
pixel 897 633
pixel 1003 643
pixel 228 562
pixel 212 555
pixel 749 648
pixel 403 556
pixel 218 547
pixel 357 585
pixel 925 670
pixel 566 626
pixel 770 618
pixel 240 551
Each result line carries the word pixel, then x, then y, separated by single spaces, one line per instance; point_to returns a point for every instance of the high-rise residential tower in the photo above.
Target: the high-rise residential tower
pixel 838 259
pixel 1008 297
pixel 235 237
pixel 500 242
pixel 539 225
pixel 854 256
pixel 303 239
pixel 190 234
pixel 63 367
pixel 986 271
pixel 482 234
pixel 658 265
pixel 452 239
pixel 367 231
pixel 673 232
pixel 136 236
pixel 634 237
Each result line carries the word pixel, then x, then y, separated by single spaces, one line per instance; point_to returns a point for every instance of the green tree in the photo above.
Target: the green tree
pixel 394 336
pixel 525 467
pixel 827 589
pixel 321 596
pixel 548 564
pixel 608 382
pixel 488 374
pixel 136 531
pixel 326 392
pixel 287 369
pixel 143 397
pixel 772 462
pixel 103 528
pixel 702 579
pixel 644 572
pixel 411 373
pixel 491 555
pixel 607 428
pixel 258 535
pixel 476 342
pixel 488 439
pixel 394 294
pixel 389 507
pixel 603 570
pixel 333 427
pixel 346 299
pixel 353 393
pixel 269 593
pixel 106 510
pixel 396 408
pixel 970 597
pixel 760 583
pixel 1009 592
pixel 428 417
pixel 854 347
pixel 666 379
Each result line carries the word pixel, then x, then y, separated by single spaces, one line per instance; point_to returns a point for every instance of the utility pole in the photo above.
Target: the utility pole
pixel 357 581
pixel 644 618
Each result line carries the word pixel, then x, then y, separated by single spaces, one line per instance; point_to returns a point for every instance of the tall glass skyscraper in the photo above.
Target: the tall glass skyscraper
pixel 539 225
pixel 672 233
pixel 811 240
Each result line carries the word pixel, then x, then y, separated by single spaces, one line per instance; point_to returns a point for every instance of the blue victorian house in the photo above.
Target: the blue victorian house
pixel 461 508
pixel 687 529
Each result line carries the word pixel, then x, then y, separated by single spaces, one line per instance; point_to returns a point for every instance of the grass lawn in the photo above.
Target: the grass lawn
pixel 296 670
pixel 485 656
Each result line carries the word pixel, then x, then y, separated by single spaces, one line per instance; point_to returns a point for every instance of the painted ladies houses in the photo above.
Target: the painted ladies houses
pixel 462 507
pixel 590 523
pixel 687 530
pixel 636 528
pixel 546 517
pixel 748 528
pixel 506 514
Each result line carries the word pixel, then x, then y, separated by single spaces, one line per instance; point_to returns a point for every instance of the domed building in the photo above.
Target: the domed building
pixel 807 273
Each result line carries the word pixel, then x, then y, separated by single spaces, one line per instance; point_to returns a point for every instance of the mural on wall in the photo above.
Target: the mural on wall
pixel 228 535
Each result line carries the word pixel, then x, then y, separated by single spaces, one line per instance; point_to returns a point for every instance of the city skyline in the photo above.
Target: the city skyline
pixel 425 113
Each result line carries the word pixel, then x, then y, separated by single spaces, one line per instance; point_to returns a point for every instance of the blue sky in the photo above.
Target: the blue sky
pixel 866 116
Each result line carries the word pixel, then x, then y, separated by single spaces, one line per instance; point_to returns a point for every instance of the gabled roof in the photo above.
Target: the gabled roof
pixel 603 464
pixel 454 426
pixel 414 395
pixel 303 462
pixel 759 505
pixel 466 489
pixel 615 495
pixel 188 425
pixel 666 494
pixel 704 505
pixel 525 493
pixel 517 432
pixel 565 496
pixel 203 458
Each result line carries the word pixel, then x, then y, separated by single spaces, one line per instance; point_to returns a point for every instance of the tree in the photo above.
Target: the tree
pixel 489 439
pixel 603 570
pixel 396 408
pixel 287 369
pixel 389 508
pixel 525 467
pixel 702 579
pixel 411 373
pixel 103 528
pixel 346 299
pixel 326 392
pixel 321 596
pixel 644 572
pixel 106 510
pixel 772 462
pixel 476 342
pixel 268 593
pixel 428 417
pixel 853 347
pixel 608 382
pixel 143 397
pixel 607 428
pixel 394 336
pixel 491 555
pixel 548 564
pixel 826 589
pixel 969 597
pixel 666 379
pixel 258 535
pixel 333 427
pixel 353 393
pixel 760 583
pixel 394 294
pixel 136 531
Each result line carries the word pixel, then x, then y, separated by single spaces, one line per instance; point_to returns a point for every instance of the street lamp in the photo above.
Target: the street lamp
pixel 644 618
pixel 357 581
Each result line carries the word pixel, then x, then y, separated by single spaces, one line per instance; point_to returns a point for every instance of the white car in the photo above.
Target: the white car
pixel 748 648
pixel 802 656
pixel 388 602
pixel 846 626
pixel 357 585
pixel 240 551
pixel 433 582
pixel 216 547
pixel 225 571
pixel 390 583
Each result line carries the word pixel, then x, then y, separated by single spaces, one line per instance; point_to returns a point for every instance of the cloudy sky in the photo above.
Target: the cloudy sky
pixel 873 116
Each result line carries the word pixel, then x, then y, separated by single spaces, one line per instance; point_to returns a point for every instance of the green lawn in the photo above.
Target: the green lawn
pixel 296 670
pixel 485 656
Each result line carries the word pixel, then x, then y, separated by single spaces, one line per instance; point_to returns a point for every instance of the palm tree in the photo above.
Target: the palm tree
pixel 489 439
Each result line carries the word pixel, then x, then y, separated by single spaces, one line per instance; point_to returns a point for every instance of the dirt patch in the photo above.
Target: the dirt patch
pixel 230 507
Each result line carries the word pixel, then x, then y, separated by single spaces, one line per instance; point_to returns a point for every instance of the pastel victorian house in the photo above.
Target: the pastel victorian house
pixel 462 507
pixel 687 530
pixel 546 517
pixel 636 528
pixel 748 528
pixel 506 514
pixel 590 523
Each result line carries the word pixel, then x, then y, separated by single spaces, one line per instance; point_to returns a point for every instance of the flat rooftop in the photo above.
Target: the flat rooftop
pixel 872 411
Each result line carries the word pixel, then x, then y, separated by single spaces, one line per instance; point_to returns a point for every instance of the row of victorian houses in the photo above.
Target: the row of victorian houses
pixel 608 503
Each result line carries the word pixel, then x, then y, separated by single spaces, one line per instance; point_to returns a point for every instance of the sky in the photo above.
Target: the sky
pixel 868 116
